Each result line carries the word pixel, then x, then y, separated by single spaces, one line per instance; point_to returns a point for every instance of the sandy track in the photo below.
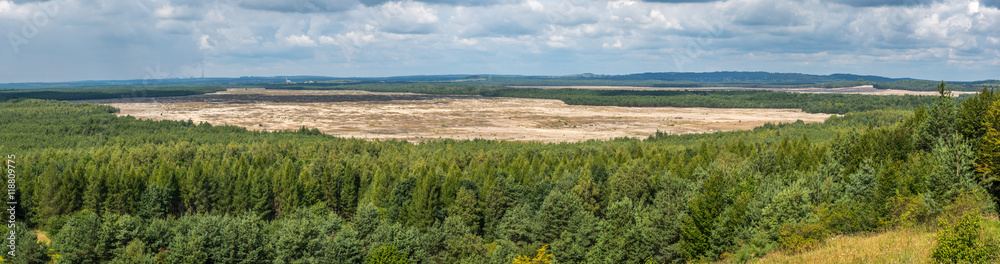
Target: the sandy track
pixel 418 117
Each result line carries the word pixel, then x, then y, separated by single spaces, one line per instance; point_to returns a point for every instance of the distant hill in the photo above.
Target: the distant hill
pixel 660 79
pixel 729 76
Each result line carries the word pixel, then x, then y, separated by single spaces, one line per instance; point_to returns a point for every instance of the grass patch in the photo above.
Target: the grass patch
pixel 913 245
pixel 909 245
pixel 43 237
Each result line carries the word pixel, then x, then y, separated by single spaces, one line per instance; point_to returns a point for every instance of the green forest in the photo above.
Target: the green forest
pixel 106 92
pixel 109 189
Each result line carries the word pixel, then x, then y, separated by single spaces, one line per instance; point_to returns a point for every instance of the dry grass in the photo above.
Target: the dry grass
pixel 43 237
pixel 899 246
pixel 911 245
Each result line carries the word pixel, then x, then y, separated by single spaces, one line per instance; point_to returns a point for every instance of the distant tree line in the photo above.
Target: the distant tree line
pixel 106 92
pixel 811 103
pixel 808 102
pixel 921 85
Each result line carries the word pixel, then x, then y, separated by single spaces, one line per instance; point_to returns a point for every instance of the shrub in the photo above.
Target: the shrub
pixel 960 242
pixel 801 236
pixel 386 255
pixel 541 258
pixel 909 211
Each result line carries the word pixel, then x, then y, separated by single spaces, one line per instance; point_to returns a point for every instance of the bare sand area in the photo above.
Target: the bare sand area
pixel 866 89
pixel 418 117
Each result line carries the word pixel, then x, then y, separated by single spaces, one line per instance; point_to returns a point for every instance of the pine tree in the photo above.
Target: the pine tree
pixel 52 182
pixel 516 225
pixel 71 191
pixel 989 153
pixel 402 196
pixel 425 201
pixel 286 189
pixel 380 188
pixel 366 220
pixel 349 184
pixel 136 252
pixel 309 188
pixel 466 207
pixel 115 233
pixel 555 215
pixel 940 121
pixel 499 197
pixel 666 216
pixel 345 247
pixel 624 239
pixel 578 238
pixel 200 191
pixel 260 200
pixel 954 173
pixel 299 237
pixel 329 184
pixel 155 202
pixel 77 242
pixel 247 239
pixel 632 181
pixel 93 198
pixel 588 192
pixel 705 209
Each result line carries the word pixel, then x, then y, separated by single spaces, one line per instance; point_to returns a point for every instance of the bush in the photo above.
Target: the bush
pixel 909 211
pixel 385 255
pixel 960 242
pixel 801 236
pixel 541 258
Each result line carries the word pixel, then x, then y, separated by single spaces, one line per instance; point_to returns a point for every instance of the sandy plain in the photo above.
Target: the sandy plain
pixel 418 117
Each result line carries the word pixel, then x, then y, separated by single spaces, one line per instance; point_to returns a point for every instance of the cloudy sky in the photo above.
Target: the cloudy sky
pixel 65 40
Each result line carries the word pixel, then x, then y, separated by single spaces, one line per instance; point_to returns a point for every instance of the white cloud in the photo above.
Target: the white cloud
pixel 327 40
pixel 407 17
pixel 203 43
pixel 116 40
pixel 557 42
pixel 182 12
pixel 467 41
pixel 5 6
pixel 300 40
pixel 617 44
pixel 534 5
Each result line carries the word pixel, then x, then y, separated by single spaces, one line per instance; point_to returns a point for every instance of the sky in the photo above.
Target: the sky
pixel 69 40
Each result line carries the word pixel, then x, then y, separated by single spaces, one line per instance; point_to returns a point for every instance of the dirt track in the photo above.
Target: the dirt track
pixel 417 117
